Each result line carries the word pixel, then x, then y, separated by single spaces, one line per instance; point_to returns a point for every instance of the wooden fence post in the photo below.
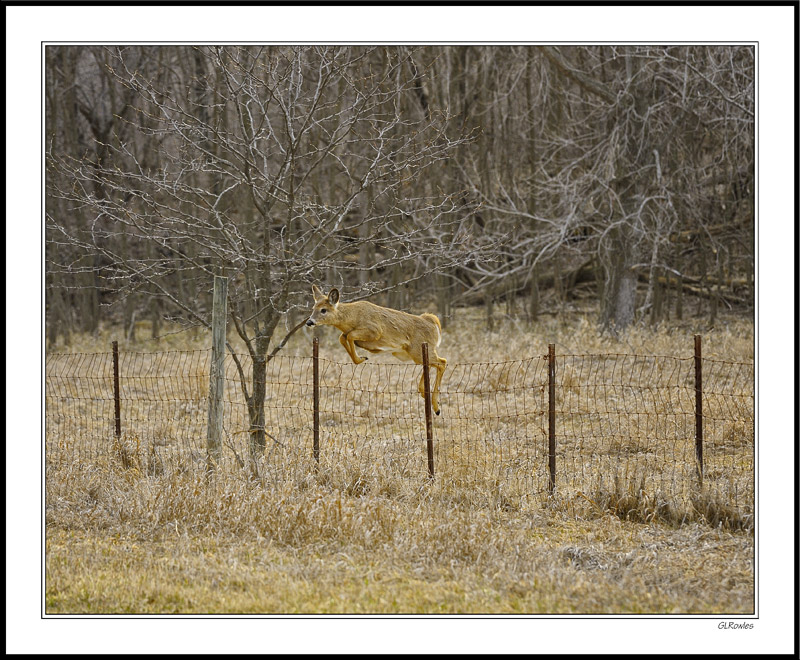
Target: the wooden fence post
pixel 316 400
pixel 426 379
pixel 216 380
pixel 551 417
pixel 698 405
pixel 117 412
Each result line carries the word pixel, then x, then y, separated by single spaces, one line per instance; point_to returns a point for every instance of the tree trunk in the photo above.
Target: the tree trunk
pixel 155 318
pixel 625 299
pixel 255 407
pixel 534 297
pixel 443 298
pixel 655 309
pixel 619 299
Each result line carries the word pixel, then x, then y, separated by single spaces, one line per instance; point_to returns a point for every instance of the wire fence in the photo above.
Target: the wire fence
pixel 586 426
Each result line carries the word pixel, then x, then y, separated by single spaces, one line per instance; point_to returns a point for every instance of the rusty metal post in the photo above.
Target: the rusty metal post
pixel 698 405
pixel 316 399
pixel 551 416
pixel 117 412
pixel 426 380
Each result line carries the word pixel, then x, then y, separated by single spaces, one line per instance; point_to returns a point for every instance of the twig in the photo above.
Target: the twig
pixel 284 340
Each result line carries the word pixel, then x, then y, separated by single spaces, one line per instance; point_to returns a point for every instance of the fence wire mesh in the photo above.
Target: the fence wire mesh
pixel 623 424
pixel 627 425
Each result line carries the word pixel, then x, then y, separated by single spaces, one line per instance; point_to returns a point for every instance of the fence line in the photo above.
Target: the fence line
pixel 576 425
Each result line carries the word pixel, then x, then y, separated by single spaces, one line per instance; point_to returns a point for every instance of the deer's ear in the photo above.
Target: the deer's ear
pixel 318 295
pixel 333 297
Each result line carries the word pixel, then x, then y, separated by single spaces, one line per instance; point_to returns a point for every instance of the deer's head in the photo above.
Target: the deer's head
pixel 325 307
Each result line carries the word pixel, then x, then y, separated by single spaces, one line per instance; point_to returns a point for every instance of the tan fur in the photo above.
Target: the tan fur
pixel 376 329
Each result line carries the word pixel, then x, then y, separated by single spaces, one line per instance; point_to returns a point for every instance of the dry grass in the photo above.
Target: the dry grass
pixel 141 529
pixel 118 541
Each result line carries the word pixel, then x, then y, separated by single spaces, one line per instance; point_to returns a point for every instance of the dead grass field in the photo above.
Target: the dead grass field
pixel 138 528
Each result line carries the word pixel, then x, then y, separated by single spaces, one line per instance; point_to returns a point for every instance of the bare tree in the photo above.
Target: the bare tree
pixel 473 174
pixel 638 166
pixel 276 166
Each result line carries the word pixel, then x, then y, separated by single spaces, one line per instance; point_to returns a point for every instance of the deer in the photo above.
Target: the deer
pixel 378 329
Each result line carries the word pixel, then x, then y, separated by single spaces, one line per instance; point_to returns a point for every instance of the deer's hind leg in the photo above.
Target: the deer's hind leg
pixel 440 364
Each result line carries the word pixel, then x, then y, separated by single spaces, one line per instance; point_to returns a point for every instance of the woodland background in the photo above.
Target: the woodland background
pixel 437 176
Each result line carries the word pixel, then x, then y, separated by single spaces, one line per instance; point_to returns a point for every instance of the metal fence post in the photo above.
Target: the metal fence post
pixel 117 412
pixel 216 385
pixel 698 406
pixel 316 399
pixel 426 380
pixel 551 416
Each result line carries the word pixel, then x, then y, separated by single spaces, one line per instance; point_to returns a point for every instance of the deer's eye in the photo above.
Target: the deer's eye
pixel 323 311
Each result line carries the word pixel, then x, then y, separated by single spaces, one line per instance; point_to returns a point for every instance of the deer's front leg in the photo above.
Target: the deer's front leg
pixel 350 347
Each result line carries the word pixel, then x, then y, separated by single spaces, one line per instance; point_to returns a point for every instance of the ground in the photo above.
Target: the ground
pixel 124 540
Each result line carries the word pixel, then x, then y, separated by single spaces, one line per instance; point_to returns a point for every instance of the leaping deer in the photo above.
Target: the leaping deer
pixel 377 329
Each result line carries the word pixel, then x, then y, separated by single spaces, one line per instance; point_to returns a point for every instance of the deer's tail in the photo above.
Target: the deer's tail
pixel 435 320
